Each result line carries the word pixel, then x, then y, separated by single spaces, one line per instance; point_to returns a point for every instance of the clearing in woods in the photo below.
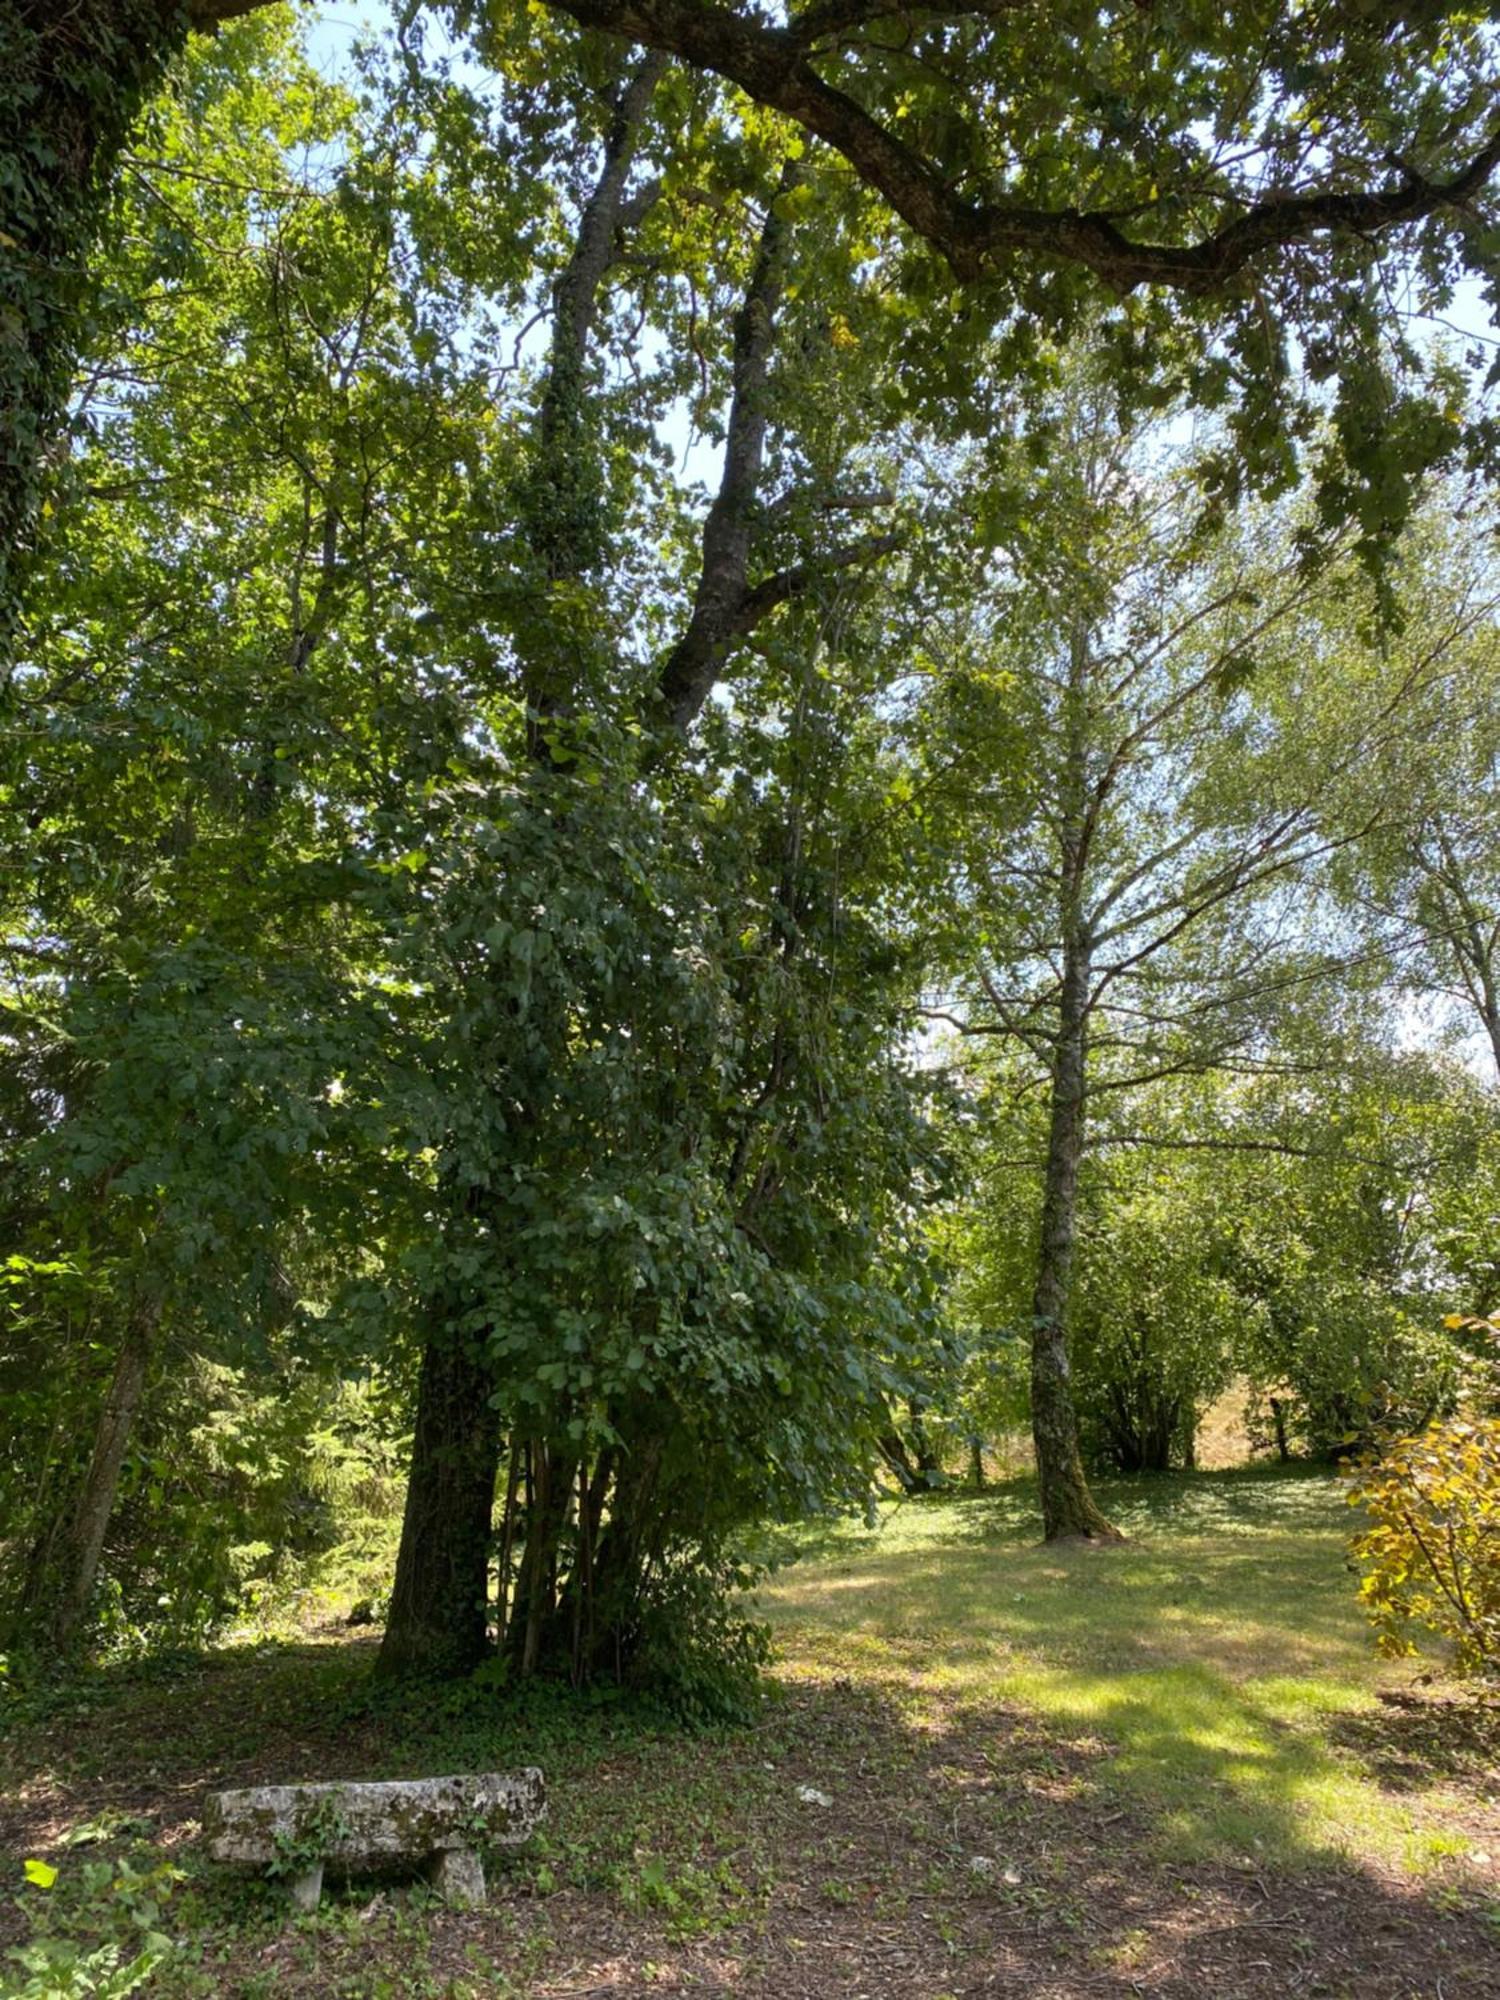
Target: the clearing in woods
pixel 1172 1768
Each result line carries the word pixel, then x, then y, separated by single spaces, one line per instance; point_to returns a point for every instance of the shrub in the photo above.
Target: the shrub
pixel 95 1932
pixel 1431 1548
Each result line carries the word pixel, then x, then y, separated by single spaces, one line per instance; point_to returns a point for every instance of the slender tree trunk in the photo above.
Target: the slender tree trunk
pixel 512 1455
pixel 893 1451
pixel 1068 1507
pixel 1489 1011
pixel 438 1610
pixel 1278 1421
pixel 533 1639
pixel 64 1582
pixel 623 1551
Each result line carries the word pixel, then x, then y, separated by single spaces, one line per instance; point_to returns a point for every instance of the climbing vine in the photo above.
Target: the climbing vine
pixel 71 82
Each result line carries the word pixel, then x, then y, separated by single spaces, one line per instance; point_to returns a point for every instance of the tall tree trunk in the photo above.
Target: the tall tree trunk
pixel 437 1622
pixel 437 1613
pixel 1068 1507
pixel 63 1582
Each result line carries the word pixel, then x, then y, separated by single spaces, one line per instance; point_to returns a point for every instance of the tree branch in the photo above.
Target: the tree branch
pixel 770 64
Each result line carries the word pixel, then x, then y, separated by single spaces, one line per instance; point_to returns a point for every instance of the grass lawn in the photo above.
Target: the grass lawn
pixel 1219 1661
pixel 1174 1768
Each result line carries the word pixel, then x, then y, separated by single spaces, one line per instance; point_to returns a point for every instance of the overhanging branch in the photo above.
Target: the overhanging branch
pixel 773 65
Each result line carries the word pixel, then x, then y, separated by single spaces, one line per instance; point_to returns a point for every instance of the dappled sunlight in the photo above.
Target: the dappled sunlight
pixel 980 1767
pixel 1210 1654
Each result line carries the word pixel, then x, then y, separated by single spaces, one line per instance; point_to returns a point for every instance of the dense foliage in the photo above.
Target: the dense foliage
pixel 661 861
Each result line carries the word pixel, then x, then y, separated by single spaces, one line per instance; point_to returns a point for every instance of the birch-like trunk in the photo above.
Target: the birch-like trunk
pixel 1068 1507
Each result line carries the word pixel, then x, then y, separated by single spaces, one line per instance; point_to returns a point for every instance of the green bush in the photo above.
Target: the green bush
pixel 1430 1549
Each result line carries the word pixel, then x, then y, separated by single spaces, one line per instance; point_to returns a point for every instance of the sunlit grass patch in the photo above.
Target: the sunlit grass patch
pixel 1209 1656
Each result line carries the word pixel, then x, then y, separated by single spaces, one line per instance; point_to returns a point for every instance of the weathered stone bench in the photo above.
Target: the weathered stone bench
pixel 436 1823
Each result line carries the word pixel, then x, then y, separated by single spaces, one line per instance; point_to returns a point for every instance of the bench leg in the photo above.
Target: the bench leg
pixel 457 1873
pixel 306 1889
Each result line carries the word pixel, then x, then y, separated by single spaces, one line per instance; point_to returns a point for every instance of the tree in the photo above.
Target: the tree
pixel 559 1061
pixel 196 748
pixel 75 80
pixel 1421 882
pixel 1155 1315
pixel 1109 887
pixel 1345 1249
pixel 1145 897
pixel 1048 159
pixel 438 1611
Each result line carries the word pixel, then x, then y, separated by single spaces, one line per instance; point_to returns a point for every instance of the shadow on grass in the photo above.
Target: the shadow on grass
pixel 664 1850
pixel 1410 1739
pixel 1240 1500
pixel 1214 1654
pixel 1172 1746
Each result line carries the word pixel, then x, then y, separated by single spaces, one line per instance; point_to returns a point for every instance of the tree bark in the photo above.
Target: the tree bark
pixel 64 1583
pixel 550 1495
pixel 437 1622
pixel 1068 1508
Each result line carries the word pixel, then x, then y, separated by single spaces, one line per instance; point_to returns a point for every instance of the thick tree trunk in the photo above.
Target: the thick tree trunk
pixel 437 1623
pixel 64 1582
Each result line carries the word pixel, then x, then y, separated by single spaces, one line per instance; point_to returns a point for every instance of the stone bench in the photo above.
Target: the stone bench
pixel 436 1823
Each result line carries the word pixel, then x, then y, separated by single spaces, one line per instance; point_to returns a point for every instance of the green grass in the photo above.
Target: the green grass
pixel 1136 1739
pixel 1211 1659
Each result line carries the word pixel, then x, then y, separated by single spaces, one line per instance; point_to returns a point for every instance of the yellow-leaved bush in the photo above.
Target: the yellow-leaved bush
pixel 1430 1549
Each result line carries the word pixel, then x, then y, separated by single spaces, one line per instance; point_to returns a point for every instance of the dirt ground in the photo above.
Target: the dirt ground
pixel 976 1855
